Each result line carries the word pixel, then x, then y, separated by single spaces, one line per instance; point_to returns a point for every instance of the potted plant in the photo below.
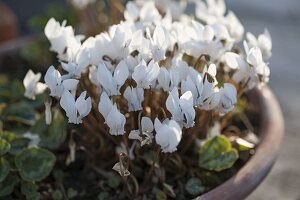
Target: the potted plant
pixel 160 106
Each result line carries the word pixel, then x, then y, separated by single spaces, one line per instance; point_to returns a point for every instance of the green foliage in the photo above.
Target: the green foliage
pixel 57 195
pixel 10 91
pixel 20 112
pixel 54 134
pixel 160 195
pixel 4 147
pixel 17 145
pixel 34 163
pixel 114 181
pixel 71 193
pixel 4 169
pixel 217 154
pixel 103 196
pixel 30 191
pixel 194 187
pixel 7 186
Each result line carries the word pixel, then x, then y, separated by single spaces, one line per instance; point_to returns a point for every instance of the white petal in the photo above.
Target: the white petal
pixel 147 125
pixel 105 105
pixel 157 125
pixel 231 60
pixel 116 122
pixel 31 77
pixel 208 33
pixel 67 102
pixel 106 80
pixel 70 84
pixel 172 104
pixel 186 100
pixel 255 56
pixel 121 73
pixel 134 135
pixel 152 71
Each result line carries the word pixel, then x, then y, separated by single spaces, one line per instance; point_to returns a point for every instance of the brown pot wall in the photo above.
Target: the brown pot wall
pixel 8 24
pixel 257 168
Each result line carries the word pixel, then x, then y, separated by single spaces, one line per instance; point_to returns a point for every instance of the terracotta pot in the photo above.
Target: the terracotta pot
pixel 8 24
pixel 257 168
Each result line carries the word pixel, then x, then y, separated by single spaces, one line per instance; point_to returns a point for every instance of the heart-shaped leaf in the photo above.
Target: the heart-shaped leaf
pixel 217 154
pixel 34 163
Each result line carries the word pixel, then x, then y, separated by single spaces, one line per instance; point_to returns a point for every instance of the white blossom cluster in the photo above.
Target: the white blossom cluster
pixel 147 48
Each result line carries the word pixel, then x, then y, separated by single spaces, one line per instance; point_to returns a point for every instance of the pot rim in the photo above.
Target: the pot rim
pixel 257 168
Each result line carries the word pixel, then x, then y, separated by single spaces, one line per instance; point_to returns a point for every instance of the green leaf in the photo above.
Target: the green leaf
pixel 18 145
pixel 11 91
pixel 160 195
pixel 20 112
pixel 114 181
pixel 34 163
pixel 4 169
pixel 53 135
pixel 30 190
pixel 4 147
pixel 217 154
pixel 194 187
pixel 103 196
pixel 71 193
pixel 7 186
pixel 57 195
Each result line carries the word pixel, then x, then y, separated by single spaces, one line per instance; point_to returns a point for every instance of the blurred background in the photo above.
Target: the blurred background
pixel 282 18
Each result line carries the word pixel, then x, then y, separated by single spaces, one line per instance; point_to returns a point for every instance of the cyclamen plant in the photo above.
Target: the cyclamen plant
pixel 159 79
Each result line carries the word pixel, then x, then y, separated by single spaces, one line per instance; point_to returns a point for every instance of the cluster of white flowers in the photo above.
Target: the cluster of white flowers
pixel 146 52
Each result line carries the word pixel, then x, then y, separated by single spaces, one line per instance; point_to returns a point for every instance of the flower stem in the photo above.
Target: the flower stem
pixel 152 166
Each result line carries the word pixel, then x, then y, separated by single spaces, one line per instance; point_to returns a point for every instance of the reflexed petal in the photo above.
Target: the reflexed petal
pixel 67 102
pixel 147 125
pixel 121 73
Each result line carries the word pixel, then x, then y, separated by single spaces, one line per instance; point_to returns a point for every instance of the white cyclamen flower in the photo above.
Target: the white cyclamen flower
pixel 120 38
pixel 57 85
pixel 168 135
pixel 79 66
pixel 159 43
pixel 58 35
pixel 112 83
pixel 193 83
pixel 144 74
pixel 255 59
pixel 209 97
pixel 135 97
pixel 32 85
pixel 263 41
pixel 113 118
pixel 228 98
pixel 167 79
pixel 237 62
pixel 145 135
pixel 149 13
pixel 132 11
pixel 182 109
pixel 75 110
